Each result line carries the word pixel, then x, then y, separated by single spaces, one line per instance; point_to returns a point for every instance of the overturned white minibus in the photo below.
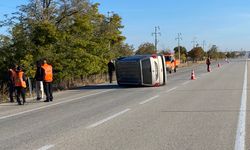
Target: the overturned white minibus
pixel 141 70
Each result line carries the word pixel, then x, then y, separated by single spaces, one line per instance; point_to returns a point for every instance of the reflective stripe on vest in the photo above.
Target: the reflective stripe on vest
pixel 19 82
pixel 48 76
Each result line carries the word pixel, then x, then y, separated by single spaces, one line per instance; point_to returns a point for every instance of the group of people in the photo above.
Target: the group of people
pixel 18 82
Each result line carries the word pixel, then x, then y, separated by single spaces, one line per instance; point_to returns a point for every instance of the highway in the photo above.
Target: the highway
pixel 209 113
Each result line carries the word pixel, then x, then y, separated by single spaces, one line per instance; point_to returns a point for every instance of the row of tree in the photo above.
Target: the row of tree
pixel 75 37
pixel 72 34
pixel 195 54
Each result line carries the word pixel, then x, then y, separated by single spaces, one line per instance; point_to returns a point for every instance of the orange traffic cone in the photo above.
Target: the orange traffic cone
pixel 193 75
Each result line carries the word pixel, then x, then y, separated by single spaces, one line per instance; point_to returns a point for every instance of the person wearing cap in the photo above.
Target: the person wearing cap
pixel 39 81
pixel 47 80
pixel 20 85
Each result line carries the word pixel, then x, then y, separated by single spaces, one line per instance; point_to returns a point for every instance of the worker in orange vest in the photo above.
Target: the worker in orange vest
pixel 11 82
pixel 47 80
pixel 20 85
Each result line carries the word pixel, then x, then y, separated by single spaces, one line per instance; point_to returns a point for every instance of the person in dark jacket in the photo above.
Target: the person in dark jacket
pixel 20 85
pixel 11 82
pixel 208 62
pixel 39 81
pixel 111 69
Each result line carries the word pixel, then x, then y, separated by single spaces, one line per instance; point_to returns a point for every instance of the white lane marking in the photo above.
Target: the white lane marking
pixel 53 104
pixel 46 147
pixel 150 99
pixel 107 119
pixel 241 129
pixel 172 89
pixel 185 83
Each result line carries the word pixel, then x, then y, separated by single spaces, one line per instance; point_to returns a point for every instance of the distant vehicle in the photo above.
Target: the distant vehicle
pixel 171 63
pixel 141 70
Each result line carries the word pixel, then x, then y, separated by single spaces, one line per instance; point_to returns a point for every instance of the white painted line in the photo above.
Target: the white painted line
pixel 150 99
pixel 241 129
pixel 107 119
pixel 172 89
pixel 46 147
pixel 53 104
pixel 185 83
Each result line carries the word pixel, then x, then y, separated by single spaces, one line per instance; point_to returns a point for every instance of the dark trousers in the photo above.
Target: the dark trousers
pixel 11 92
pixel 48 90
pixel 110 77
pixel 208 68
pixel 20 91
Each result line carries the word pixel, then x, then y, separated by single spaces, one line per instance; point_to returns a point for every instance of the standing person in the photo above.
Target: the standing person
pixel 208 62
pixel 39 81
pixel 20 85
pixel 47 80
pixel 111 69
pixel 11 82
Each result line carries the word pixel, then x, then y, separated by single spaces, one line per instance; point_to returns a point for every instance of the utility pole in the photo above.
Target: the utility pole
pixel 203 44
pixel 156 33
pixel 194 42
pixel 109 21
pixel 179 49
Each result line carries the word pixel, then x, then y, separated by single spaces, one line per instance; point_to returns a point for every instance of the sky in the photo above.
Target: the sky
pixel 225 23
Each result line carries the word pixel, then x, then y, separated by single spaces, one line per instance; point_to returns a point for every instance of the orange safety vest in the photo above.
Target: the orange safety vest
pixel 48 76
pixel 19 80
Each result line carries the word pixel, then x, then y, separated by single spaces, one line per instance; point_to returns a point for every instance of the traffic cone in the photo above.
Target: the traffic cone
pixel 193 75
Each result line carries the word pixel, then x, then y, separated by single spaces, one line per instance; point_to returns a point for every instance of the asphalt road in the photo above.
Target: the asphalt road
pixel 210 113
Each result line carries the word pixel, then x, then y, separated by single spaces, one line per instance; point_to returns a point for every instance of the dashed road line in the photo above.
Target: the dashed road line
pixel 46 147
pixel 172 89
pixel 148 100
pixel 241 129
pixel 53 104
pixel 185 83
pixel 107 119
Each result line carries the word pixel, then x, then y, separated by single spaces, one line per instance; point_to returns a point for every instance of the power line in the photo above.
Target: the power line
pixel 156 33
pixel 109 21
pixel 203 44
pixel 179 38
pixel 194 42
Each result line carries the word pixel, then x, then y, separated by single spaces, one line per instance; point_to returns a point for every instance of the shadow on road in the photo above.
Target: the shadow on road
pixel 105 86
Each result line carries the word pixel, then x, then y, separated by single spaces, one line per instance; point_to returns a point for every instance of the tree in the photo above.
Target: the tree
pixel 197 53
pixel 146 48
pixel 72 34
pixel 213 52
pixel 183 52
